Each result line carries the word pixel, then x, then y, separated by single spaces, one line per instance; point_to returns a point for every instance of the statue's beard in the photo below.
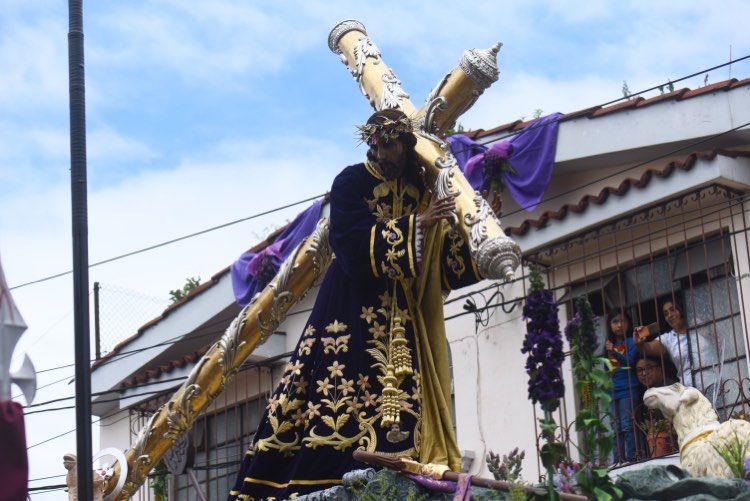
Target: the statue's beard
pixel 391 170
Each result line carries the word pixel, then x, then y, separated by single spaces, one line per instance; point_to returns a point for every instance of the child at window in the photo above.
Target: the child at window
pixel 621 351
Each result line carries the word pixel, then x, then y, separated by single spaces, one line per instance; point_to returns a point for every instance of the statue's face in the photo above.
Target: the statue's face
pixel 391 158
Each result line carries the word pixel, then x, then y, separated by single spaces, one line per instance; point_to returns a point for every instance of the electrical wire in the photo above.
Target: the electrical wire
pixel 230 223
pixel 722 205
pixel 261 363
pixel 121 354
pixel 533 126
pixel 168 242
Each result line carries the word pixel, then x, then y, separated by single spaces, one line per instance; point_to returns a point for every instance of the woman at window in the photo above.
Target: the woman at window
pixel 622 354
pixel 673 343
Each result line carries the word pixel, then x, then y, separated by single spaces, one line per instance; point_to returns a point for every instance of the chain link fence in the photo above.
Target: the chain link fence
pixel 119 312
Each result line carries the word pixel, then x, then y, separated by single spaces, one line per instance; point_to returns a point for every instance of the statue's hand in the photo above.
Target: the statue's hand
pixel 439 208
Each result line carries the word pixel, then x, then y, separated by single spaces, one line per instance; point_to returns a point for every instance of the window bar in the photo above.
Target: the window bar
pixel 742 397
pixel 631 239
pixel 652 261
pixel 562 411
pixel 654 214
pixel 717 396
pixel 635 398
pixel 728 276
pixel 566 264
pixel 691 288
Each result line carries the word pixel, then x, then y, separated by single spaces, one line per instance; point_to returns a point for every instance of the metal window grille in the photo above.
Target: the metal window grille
pixel 693 250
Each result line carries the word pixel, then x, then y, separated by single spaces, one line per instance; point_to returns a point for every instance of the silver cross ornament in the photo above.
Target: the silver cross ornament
pixel 11 328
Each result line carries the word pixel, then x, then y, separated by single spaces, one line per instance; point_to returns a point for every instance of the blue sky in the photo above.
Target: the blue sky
pixel 203 112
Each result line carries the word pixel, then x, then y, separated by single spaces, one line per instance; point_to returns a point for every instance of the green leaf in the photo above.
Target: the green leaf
pixel 602 495
pixel 547 426
pixel 600 377
pixel 602 396
pixel 600 472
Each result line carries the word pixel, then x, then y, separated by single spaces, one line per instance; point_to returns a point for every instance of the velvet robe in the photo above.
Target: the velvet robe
pixel 329 400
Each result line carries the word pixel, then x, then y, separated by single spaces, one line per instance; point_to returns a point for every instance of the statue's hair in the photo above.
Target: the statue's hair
pixel 388 124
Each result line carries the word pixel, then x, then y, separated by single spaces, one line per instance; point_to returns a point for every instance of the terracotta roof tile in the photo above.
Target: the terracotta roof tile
pixel 586 112
pixel 627 104
pixel 675 94
pixel 637 102
pixel 601 198
pixel 724 85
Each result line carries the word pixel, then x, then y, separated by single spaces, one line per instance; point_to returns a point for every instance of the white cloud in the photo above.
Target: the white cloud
pixel 518 96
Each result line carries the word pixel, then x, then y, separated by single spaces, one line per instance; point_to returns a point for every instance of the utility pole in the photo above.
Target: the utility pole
pixel 97 327
pixel 77 88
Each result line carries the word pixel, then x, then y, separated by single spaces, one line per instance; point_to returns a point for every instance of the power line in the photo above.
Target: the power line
pixel 672 152
pixel 57 436
pixel 71 431
pixel 47 488
pixel 602 105
pixel 261 363
pixel 230 223
pixel 46 478
pixel 168 242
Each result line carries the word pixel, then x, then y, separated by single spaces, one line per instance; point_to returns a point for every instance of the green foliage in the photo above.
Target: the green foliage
pixel 594 386
pixel 657 426
pixel 669 86
pixel 625 90
pixel 158 481
pixel 458 129
pixel 516 493
pixel 733 452
pixel 535 278
pixel 537 113
pixel 190 284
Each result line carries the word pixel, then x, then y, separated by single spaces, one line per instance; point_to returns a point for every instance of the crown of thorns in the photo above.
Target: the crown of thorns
pixel 386 129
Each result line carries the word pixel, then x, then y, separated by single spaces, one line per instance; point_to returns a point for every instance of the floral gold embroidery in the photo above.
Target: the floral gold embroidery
pixel 454 259
pixel 394 237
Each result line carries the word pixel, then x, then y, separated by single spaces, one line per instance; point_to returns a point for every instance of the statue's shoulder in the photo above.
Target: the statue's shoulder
pixel 351 175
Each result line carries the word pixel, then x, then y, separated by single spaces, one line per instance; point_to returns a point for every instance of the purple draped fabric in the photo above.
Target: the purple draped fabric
pixel 531 154
pixel 253 270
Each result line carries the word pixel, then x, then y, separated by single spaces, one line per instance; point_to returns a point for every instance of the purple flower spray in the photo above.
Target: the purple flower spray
pixel 544 346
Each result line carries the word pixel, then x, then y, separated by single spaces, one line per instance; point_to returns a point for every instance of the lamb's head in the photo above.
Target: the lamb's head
pixel 666 399
pixel 685 406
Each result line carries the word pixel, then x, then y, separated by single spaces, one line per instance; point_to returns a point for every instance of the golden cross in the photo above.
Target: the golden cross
pixel 496 255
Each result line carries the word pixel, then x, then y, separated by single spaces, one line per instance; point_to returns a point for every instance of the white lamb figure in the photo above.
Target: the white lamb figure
pixel 698 429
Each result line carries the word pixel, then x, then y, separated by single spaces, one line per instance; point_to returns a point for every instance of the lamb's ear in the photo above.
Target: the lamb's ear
pixel 689 395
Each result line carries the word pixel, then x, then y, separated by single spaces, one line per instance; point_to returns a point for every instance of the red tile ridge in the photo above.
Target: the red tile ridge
pixel 723 85
pixel 626 104
pixel 636 102
pixel 676 95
